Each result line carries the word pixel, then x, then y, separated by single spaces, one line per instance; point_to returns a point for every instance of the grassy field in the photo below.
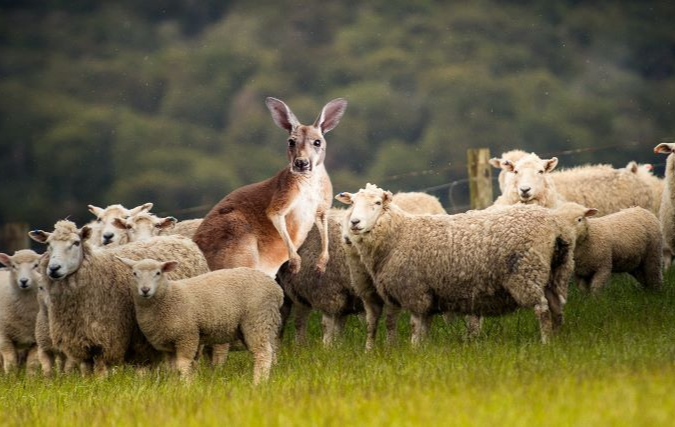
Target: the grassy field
pixel 612 364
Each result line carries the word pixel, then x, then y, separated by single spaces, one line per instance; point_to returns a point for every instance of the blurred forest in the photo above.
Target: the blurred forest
pixel 163 100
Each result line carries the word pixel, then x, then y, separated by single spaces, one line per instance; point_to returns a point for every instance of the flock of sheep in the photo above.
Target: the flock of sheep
pixel 134 288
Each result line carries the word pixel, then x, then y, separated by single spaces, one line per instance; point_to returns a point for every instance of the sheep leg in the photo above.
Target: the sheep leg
pixel 420 327
pixel 600 278
pixel 474 324
pixel 328 327
pixel 185 354
pixel 391 322
pixel 301 313
pixel 219 354
pixel 263 356
pixel 373 309
pixel 86 368
pixel 527 292
pixel 555 305
pixel 652 272
pixel 9 355
pixel 32 362
pixel 46 359
pixel 100 367
pixel 667 257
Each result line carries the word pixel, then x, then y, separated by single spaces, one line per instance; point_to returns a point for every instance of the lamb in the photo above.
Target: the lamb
pixel 333 293
pixel 87 287
pixel 481 263
pixel 628 241
pixel 645 173
pixel 104 232
pixel 214 308
pixel 144 226
pixel 607 189
pixel 18 306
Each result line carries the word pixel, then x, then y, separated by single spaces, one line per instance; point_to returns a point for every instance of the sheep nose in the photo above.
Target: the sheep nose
pixel 24 282
pixel 54 268
pixel 355 221
pixel 525 189
pixel 107 237
pixel 145 290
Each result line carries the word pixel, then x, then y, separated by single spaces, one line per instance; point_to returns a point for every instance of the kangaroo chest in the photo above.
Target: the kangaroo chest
pixel 301 216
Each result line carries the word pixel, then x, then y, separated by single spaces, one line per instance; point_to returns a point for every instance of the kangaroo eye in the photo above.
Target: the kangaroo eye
pixel 317 143
pixel 291 142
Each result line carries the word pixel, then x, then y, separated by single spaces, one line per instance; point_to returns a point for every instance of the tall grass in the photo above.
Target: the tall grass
pixel 611 364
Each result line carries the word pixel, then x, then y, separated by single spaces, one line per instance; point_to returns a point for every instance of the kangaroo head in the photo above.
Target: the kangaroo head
pixel 306 143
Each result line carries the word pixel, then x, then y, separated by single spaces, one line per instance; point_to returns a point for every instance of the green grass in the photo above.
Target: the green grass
pixel 611 364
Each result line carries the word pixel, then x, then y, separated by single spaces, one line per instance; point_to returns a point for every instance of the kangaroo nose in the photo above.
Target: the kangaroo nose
pixel 355 221
pixel 301 163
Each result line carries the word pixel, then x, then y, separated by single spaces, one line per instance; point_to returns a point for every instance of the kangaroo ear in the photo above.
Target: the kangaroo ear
pixel 345 198
pixel 281 114
pixel 330 115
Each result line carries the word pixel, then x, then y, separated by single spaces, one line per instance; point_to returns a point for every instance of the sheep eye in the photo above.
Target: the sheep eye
pixel 135 275
pixel 76 243
pixel 99 220
pixel 291 142
pixel 378 203
pixel 157 274
pixel 317 143
pixel 35 266
pixel 541 171
pixel 579 219
pixel 516 172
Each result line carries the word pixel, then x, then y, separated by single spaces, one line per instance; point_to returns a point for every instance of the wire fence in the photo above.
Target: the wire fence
pixel 454 203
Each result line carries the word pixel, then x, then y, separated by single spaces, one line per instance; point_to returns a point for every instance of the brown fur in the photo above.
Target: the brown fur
pixel 240 230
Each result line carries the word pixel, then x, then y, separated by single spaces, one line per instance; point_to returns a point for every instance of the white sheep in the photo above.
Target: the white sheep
pixel 18 306
pixel 511 156
pixel 103 231
pixel 218 307
pixel 144 226
pixel 628 241
pixel 609 190
pixel 91 312
pixel 645 172
pixel 480 263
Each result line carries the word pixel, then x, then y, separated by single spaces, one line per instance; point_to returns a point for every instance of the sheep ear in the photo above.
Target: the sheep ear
pixel 387 198
pixel 550 164
pixel 126 261
pixel 169 266
pixel 632 166
pixel 141 208
pixel 282 114
pixel 496 162
pixel 507 165
pixel 590 212
pixel 85 232
pixel 664 148
pixel 5 259
pixel 345 198
pixel 120 223
pixel 39 236
pixel 168 223
pixel 96 210
pixel 330 115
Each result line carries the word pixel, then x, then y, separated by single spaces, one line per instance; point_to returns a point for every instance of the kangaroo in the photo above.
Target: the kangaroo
pixel 261 225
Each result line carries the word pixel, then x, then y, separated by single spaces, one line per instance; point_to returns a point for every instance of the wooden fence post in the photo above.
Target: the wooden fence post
pixel 480 177
pixel 14 236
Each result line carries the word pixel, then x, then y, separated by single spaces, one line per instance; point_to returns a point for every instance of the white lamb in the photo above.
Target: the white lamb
pixel 218 307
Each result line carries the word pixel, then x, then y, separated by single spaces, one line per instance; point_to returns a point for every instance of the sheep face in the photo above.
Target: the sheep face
pixel 529 179
pixel 576 215
pixel 144 226
pixel 105 218
pixel 367 206
pixel 64 248
pixel 149 275
pixel 23 267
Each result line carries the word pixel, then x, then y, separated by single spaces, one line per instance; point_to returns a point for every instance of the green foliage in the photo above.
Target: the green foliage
pixel 105 103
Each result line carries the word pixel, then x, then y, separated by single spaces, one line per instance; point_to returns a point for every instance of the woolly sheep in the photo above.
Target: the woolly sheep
pixel 607 189
pixel 666 210
pixel 481 263
pixel 87 287
pixel 333 293
pixel 18 306
pixel 628 241
pixel 645 173
pixel 103 231
pixel 214 308
pixel 144 226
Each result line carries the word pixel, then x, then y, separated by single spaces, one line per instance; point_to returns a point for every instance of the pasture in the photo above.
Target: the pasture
pixel 613 363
